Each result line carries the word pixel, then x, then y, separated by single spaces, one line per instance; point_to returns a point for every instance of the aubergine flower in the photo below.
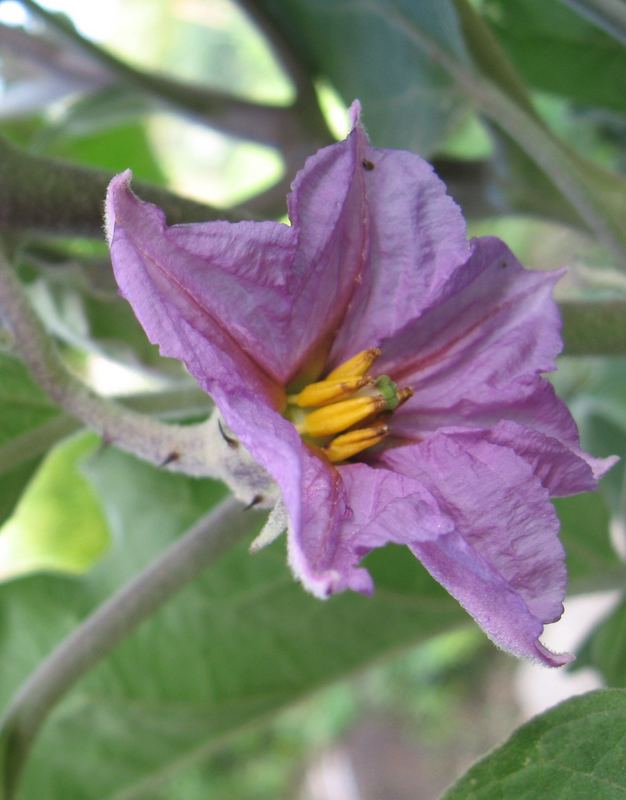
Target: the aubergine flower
pixel 384 370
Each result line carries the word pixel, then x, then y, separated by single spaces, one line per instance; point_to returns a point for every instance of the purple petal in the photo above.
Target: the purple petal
pixel 562 470
pixel 495 323
pixel 327 208
pixel 279 291
pixel 503 561
pixel 529 418
pixel 375 507
pixel 529 401
pixel 190 305
pixel 417 240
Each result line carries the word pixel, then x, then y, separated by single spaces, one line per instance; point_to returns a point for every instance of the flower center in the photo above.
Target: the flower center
pixel 347 412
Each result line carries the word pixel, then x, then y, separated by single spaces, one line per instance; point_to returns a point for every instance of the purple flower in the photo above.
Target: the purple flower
pixel 384 370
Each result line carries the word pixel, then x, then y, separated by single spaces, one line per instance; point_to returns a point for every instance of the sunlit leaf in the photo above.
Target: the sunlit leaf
pixel 58 522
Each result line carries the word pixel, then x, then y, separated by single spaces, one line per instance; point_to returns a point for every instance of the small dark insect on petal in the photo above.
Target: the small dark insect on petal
pixel 258 498
pixel 230 440
pixel 367 165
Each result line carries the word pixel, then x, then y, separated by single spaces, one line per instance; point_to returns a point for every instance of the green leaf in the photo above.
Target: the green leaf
pixel 238 644
pixel 22 403
pixel 409 100
pixel 24 408
pixel 559 52
pixel 573 751
pixel 605 648
pixel 58 523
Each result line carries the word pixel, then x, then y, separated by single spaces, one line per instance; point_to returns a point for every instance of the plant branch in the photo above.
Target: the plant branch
pixel 52 57
pixel 33 443
pixel 289 57
pixel 271 125
pixel 114 620
pixel 185 448
pixel 49 195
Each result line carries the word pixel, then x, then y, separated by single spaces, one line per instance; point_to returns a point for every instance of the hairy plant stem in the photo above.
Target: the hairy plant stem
pixel 109 624
pixel 287 54
pixel 185 448
pixel 35 442
pixel 50 195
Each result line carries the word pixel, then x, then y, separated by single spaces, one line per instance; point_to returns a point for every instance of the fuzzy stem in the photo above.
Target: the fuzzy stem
pixel 185 448
pixel 35 442
pixel 50 195
pixel 109 624
pixel 291 60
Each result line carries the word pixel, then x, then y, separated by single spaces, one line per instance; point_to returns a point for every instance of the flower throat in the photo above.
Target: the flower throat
pixel 347 412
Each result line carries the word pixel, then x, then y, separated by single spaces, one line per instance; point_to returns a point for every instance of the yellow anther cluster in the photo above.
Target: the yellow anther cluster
pixel 347 397
pixel 337 417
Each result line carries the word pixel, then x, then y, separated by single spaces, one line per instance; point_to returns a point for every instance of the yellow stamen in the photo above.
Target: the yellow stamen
pixel 349 444
pixel 324 392
pixel 337 417
pixel 355 367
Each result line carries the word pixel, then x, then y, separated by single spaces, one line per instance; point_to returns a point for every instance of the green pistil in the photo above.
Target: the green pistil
pixel 389 391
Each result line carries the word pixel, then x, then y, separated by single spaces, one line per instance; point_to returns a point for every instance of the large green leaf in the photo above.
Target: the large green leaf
pixel 409 100
pixel 558 51
pixel 573 751
pixel 238 644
